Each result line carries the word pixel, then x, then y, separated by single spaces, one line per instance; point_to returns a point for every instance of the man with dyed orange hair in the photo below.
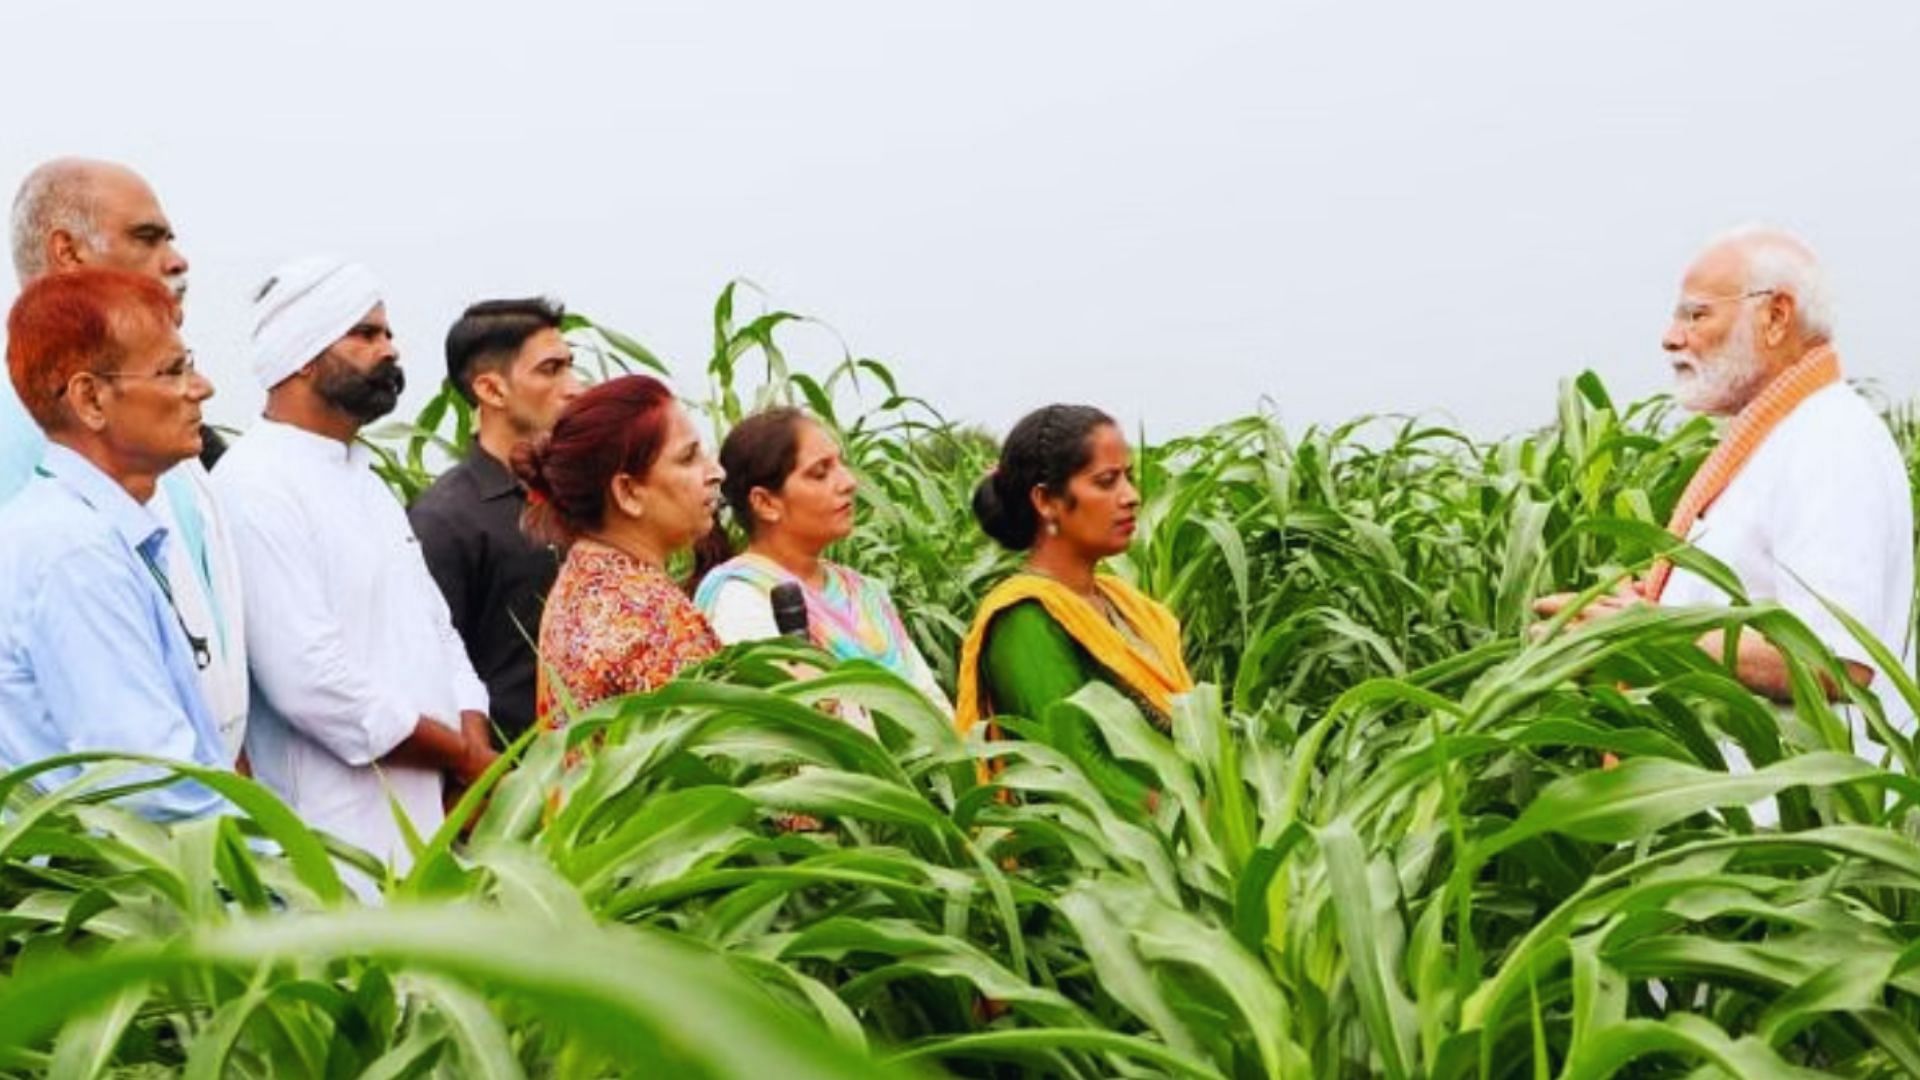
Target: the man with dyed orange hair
pixel 71 213
pixel 94 654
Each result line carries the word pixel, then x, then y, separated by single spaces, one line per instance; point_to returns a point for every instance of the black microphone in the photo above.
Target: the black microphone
pixel 790 610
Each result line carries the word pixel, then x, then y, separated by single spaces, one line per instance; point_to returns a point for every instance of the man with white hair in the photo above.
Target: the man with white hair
pixel 364 700
pixel 72 213
pixel 1806 496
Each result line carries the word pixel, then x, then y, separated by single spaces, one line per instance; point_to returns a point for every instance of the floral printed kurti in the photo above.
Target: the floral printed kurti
pixel 613 625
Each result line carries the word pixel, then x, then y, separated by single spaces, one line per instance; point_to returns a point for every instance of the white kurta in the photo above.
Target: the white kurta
pixel 1822 509
pixel 205 573
pixel 348 638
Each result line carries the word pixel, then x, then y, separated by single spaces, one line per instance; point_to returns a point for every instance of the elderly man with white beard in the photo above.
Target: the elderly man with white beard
pixel 1806 496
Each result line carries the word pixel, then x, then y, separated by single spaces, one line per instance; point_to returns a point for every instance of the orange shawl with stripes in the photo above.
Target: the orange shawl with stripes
pixel 1156 678
pixel 1815 371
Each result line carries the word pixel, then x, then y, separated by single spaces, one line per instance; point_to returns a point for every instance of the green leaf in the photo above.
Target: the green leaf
pixel 1611 1049
pixel 1123 972
pixel 87 1043
pixel 1646 794
pixel 1372 961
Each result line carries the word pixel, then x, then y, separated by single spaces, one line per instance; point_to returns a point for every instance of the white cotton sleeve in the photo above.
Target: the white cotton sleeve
pixel 225 681
pixel 1841 532
pixel 295 642
pixel 739 612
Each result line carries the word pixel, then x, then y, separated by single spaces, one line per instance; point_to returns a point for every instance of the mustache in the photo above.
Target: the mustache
pixel 364 395
pixel 389 376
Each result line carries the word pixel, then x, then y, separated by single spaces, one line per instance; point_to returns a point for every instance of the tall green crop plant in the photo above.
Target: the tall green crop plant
pixel 1384 844
pixel 230 948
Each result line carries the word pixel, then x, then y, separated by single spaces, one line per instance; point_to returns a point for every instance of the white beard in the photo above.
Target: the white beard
pixel 1722 382
pixel 177 284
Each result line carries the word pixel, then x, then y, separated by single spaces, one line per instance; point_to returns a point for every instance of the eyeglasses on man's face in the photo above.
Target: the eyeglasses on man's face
pixel 1694 310
pixel 177 376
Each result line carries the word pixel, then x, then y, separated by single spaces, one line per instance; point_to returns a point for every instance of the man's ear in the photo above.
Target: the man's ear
pixel 65 251
pixel 81 399
pixel 1783 309
pixel 489 389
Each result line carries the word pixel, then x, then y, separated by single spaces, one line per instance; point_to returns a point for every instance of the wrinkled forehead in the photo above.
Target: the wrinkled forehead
pixel 1718 271
pixel 118 196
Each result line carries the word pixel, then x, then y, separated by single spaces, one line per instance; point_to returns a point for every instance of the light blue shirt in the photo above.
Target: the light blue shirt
pixel 92 653
pixel 205 570
pixel 21 443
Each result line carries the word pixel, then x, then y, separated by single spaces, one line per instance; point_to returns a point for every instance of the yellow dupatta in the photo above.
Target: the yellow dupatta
pixel 1156 678
pixel 1815 371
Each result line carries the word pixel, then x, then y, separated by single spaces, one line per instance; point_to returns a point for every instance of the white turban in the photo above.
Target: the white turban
pixel 304 307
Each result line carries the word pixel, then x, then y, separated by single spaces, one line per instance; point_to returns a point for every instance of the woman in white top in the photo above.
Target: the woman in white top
pixel 792 495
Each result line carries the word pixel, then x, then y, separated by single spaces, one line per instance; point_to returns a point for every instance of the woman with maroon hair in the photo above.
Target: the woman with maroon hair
pixel 622 482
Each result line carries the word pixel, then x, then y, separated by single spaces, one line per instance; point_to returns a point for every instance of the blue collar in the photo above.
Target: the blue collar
pixel 100 492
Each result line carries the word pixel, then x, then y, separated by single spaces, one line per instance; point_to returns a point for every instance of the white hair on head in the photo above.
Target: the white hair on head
pixel 1776 260
pixel 56 195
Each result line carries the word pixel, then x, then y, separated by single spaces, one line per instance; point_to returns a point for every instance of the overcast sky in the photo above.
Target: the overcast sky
pixel 1171 210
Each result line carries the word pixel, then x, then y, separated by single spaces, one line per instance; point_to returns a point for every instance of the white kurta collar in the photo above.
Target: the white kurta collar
pixel 310 445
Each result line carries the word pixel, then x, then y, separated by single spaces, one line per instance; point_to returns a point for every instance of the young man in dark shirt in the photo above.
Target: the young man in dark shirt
pixel 508 360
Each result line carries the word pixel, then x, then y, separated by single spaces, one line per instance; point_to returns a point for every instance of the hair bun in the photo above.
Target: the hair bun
pixel 1011 522
pixel 529 464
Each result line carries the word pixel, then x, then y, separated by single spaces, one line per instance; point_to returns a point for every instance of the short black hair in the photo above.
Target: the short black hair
pixel 489 334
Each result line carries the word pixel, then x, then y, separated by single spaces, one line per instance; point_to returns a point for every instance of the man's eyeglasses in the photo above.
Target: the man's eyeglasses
pixel 175 375
pixel 1692 311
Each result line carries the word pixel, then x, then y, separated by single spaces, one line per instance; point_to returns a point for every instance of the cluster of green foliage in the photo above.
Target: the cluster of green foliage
pixel 1383 842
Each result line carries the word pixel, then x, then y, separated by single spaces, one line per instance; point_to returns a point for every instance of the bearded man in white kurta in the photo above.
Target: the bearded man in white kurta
pixel 1806 498
pixel 364 699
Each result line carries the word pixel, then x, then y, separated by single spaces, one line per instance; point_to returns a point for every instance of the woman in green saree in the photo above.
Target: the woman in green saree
pixel 1063 492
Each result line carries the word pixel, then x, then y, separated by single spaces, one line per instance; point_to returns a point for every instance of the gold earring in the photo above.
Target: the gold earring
pixel 1053 527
